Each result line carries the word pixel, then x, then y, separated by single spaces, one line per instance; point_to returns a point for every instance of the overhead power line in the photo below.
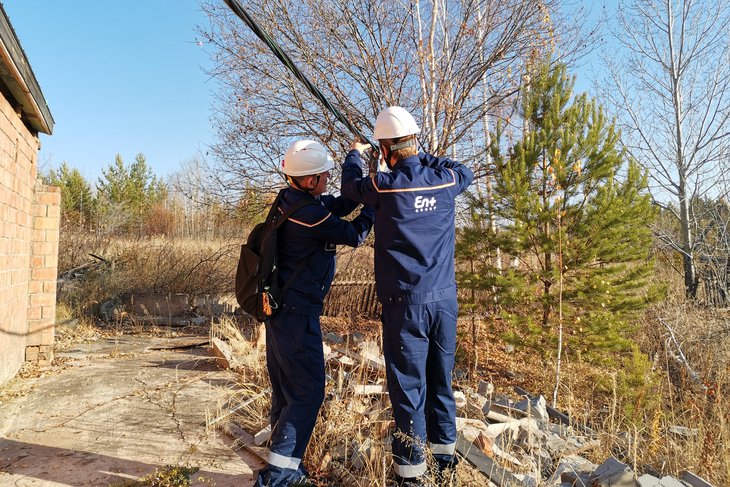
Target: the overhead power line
pixel 241 12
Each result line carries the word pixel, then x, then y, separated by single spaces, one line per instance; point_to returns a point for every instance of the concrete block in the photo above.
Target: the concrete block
pixel 693 480
pixel 486 388
pixel 576 479
pixel 32 353
pixel 367 389
pixel 157 304
pixel 670 482
pixel 471 428
pixel 647 480
pixel 613 473
pixel 530 436
pixel 362 455
pixel 224 354
pixel 460 399
pixel 535 407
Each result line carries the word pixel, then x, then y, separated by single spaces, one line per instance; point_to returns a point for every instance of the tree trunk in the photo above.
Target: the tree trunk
pixel 685 217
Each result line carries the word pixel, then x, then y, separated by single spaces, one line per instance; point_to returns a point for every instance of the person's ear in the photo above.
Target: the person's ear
pixel 311 182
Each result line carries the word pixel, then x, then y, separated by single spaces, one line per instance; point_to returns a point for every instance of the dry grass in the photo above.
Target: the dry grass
pixel 636 410
pixel 350 445
pixel 194 267
pixel 633 413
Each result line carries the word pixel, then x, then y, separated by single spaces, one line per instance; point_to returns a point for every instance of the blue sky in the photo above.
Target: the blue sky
pixel 124 77
pixel 119 77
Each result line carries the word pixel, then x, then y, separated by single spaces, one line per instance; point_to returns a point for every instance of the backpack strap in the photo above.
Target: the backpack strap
pixel 290 211
pixel 284 216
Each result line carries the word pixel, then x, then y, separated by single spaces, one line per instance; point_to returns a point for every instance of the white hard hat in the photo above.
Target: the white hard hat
pixel 395 122
pixel 305 158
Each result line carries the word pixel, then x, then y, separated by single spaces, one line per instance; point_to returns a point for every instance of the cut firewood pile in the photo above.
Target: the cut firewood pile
pixel 504 439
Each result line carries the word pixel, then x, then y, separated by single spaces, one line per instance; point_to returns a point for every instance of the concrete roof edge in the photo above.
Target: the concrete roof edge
pixel 17 75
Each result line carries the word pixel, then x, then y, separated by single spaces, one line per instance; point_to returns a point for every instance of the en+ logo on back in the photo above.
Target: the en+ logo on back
pixel 425 204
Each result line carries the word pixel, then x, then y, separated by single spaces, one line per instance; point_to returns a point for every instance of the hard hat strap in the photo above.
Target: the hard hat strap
pixel 295 182
pixel 402 145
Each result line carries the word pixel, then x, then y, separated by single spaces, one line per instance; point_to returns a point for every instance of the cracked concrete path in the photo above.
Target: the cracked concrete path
pixel 116 411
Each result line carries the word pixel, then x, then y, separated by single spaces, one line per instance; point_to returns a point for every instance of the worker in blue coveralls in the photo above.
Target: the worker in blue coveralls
pixel 294 356
pixel 416 284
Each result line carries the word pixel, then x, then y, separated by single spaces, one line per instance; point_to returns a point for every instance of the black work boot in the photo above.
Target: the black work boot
pixel 445 471
pixel 412 482
pixel 446 477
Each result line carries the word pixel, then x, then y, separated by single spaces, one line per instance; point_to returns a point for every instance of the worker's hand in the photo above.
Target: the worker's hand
pixel 360 146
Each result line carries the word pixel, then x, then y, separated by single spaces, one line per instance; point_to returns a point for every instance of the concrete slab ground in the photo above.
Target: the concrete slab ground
pixel 116 411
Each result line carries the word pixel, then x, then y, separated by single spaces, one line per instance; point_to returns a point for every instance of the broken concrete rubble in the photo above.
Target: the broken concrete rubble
pixel 572 464
pixel 485 388
pixel 647 480
pixel 693 480
pixel 613 473
pixel 366 389
pixel 223 352
pixel 534 407
pixel 362 454
pixel 460 400
pixel 512 443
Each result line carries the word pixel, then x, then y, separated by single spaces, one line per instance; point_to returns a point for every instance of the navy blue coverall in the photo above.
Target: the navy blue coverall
pixel 416 284
pixel 294 355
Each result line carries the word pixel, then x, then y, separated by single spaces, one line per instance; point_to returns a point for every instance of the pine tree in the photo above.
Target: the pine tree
pixel 128 193
pixel 574 214
pixel 77 200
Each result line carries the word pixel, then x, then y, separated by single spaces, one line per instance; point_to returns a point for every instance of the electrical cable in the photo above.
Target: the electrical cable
pixel 238 9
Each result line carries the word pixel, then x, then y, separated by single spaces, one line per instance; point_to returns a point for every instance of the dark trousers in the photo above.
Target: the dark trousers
pixel 295 363
pixel 419 342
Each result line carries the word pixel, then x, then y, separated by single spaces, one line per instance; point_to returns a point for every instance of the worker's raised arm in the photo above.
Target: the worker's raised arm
pixel 353 185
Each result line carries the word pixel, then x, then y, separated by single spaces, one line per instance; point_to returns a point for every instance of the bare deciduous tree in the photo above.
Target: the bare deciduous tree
pixel 671 86
pixel 448 62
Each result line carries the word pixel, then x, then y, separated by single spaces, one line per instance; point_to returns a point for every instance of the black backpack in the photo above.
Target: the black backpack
pixel 257 284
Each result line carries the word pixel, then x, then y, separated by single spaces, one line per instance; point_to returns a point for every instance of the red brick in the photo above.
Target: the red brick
pixel 42 300
pixel 34 314
pixel 45 223
pixel 40 210
pixel 51 260
pixel 31 354
pixel 49 198
pixel 44 274
pixel 35 287
pixel 49 312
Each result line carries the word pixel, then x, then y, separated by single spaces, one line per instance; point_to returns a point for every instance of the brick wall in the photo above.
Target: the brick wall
pixel 29 223
pixel 43 270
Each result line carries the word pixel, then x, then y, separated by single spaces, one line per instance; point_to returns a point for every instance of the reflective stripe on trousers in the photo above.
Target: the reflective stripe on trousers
pixel 409 471
pixel 283 462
